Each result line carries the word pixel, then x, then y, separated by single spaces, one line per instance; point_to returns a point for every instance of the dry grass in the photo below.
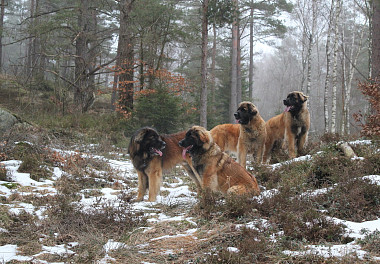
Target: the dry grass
pixel 287 220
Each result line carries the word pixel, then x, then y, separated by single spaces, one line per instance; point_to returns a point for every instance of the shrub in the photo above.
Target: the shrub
pixel 371 241
pixel 214 205
pixel 370 122
pixel 354 200
pixel 3 173
pixel 329 168
pixel 160 109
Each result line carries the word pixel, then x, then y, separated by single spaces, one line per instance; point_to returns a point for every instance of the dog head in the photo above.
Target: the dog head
pixel 295 101
pixel 146 140
pixel 197 140
pixel 245 112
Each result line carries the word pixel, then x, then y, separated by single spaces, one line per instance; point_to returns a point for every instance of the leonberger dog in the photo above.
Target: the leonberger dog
pixel 291 126
pixel 151 153
pixel 246 137
pixel 218 171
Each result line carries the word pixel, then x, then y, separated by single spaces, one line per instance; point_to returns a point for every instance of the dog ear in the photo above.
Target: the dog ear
pixel 140 136
pixel 204 135
pixel 253 109
pixel 303 97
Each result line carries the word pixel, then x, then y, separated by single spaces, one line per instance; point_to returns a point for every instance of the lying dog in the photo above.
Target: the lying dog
pixel 218 171
pixel 152 153
pixel 292 125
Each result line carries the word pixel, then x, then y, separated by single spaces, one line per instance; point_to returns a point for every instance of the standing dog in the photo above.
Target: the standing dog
pixel 292 125
pixel 246 137
pixel 219 172
pixel 152 153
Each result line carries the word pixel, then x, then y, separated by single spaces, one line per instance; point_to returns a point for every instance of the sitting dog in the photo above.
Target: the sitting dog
pixel 218 171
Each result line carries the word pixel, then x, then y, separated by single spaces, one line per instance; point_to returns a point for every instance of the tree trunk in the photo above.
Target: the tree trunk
pixel 250 74
pixel 353 59
pixel 85 58
pixel 234 54
pixel 334 73
pixel 2 12
pixel 310 48
pixel 328 62
pixel 203 99
pixel 369 13
pixel 238 69
pixel 376 39
pixel 30 46
pixel 213 68
pixel 126 55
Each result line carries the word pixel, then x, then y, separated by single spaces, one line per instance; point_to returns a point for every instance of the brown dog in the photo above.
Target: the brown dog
pixel 246 137
pixel 152 153
pixel 219 172
pixel 292 125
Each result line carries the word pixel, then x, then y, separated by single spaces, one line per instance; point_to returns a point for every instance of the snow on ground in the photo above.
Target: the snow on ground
pixel 176 193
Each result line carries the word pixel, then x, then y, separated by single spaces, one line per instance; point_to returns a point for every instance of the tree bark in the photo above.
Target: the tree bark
pixel 85 59
pixel 2 12
pixel 328 62
pixel 250 74
pixel 234 51
pixel 126 56
pixel 203 99
pixel 238 69
pixel 376 39
pixel 213 68
pixel 334 73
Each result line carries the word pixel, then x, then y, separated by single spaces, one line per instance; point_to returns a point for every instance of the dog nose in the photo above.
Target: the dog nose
pixel 236 114
pixel 180 143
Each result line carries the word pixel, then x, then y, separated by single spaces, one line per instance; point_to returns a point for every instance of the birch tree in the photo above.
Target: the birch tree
pixel 328 63
pixel 334 70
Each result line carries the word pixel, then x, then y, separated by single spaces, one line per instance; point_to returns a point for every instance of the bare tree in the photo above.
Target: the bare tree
pixel 125 59
pixel 2 12
pixel 335 66
pixel 234 64
pixel 85 58
pixel 328 63
pixel 376 39
pixel 203 107
pixel 250 71
pixel 351 54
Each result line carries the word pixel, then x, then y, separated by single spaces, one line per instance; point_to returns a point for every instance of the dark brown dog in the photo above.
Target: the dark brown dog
pixel 292 125
pixel 218 171
pixel 247 137
pixel 152 153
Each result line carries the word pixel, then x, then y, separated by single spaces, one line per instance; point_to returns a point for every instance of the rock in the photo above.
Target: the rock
pixel 7 120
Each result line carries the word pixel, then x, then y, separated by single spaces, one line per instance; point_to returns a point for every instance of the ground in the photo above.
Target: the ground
pixel 77 206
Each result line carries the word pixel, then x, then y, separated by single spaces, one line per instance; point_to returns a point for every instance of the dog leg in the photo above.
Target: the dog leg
pixel 237 189
pixel 259 153
pixel 267 150
pixel 301 141
pixel 142 185
pixel 154 173
pixel 290 140
pixel 193 174
pixel 242 155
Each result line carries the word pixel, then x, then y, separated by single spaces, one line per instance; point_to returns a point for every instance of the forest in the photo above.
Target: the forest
pixel 78 78
pixel 196 60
